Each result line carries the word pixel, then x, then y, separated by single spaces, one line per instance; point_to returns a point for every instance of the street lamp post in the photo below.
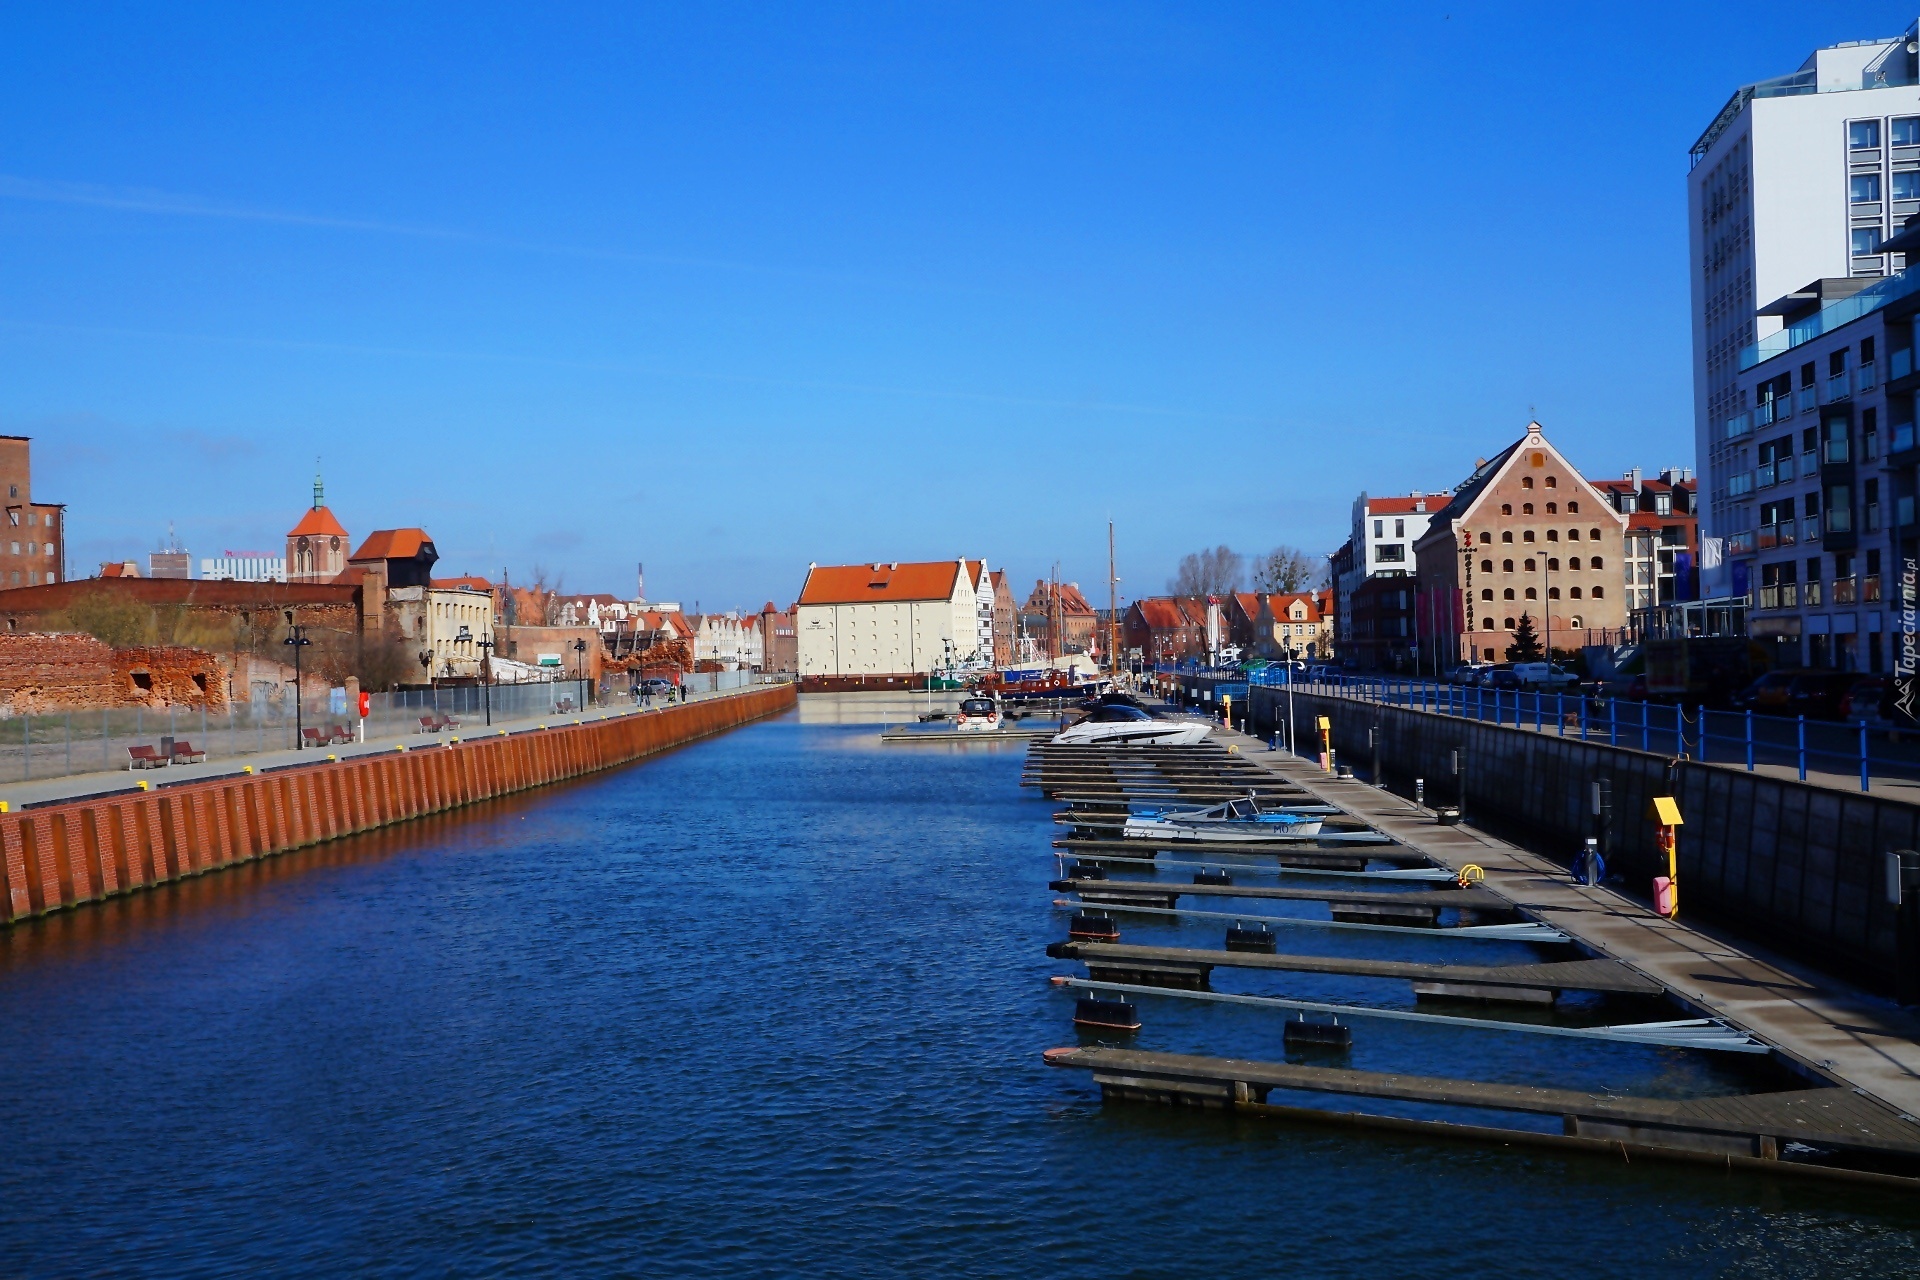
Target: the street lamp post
pixel 580 669
pixel 297 637
pixel 1290 674
pixel 426 669
pixel 486 675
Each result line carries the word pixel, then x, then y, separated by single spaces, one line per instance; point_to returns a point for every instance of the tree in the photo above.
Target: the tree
pixel 1217 572
pixel 1284 569
pixel 1526 645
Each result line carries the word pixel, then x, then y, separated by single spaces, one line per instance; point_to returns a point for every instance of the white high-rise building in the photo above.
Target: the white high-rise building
pixel 1792 189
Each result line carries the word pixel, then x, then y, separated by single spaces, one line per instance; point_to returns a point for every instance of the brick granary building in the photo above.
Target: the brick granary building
pixel 1526 535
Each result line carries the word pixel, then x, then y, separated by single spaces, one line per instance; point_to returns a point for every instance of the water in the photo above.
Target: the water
pixel 770 1005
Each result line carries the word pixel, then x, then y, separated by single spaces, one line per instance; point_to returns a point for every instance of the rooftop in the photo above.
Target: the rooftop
pixel 886 581
pixel 1848 66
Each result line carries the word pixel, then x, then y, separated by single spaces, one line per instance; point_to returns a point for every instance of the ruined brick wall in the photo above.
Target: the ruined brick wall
pixel 50 672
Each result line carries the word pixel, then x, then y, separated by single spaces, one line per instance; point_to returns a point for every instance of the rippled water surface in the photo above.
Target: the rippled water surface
pixel 770 1005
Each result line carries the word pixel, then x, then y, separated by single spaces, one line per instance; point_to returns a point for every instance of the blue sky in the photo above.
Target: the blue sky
pixel 728 289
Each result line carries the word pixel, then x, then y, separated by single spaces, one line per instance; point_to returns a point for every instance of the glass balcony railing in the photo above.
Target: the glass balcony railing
pixel 1870 589
pixel 1806 400
pixel 1902 436
pixel 1738 425
pixel 1870 517
pixel 1741 544
pixel 1811 593
pixel 1903 511
pixel 1839 387
pixel 1783 469
pixel 1763 475
pixel 1843 591
pixel 1865 378
pixel 1810 529
pixel 1831 317
pixel 1900 362
pixel 1785 595
pixel 1740 485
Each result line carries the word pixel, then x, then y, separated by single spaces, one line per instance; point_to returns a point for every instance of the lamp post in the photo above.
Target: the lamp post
pixel 486 675
pixel 580 669
pixel 426 669
pixel 297 637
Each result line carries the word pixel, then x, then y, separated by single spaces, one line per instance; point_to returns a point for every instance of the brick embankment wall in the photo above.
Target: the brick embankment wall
pixel 43 672
pixel 1792 865
pixel 62 855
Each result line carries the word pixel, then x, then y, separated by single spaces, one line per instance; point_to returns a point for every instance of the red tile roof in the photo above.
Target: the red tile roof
pixel 390 544
pixel 867 583
pixel 1396 506
pixel 466 581
pixel 318 521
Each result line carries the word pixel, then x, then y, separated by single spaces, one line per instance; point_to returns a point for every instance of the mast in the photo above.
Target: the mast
pixel 1113 610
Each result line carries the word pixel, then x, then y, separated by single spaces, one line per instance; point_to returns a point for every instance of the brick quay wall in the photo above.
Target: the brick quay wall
pixel 62 855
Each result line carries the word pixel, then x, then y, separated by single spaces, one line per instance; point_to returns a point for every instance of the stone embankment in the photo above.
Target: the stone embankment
pixel 78 851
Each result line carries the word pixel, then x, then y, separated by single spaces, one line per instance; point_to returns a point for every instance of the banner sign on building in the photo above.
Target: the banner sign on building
pixel 1908 661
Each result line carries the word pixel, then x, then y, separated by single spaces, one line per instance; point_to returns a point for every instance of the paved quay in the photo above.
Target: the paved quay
pixel 19 795
pixel 1831 1029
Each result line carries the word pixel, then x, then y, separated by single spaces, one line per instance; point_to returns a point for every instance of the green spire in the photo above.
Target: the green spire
pixel 319 489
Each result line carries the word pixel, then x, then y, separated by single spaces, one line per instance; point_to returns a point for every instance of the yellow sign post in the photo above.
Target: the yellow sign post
pixel 1325 726
pixel 1666 889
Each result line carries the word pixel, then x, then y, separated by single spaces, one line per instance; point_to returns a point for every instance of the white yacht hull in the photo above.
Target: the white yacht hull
pixel 1220 832
pixel 1134 733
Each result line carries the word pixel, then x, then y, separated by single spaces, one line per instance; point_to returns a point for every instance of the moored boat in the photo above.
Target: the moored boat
pixel 1241 819
pixel 1120 725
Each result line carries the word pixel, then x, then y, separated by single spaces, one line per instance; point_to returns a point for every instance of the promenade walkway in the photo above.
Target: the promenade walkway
pixel 20 795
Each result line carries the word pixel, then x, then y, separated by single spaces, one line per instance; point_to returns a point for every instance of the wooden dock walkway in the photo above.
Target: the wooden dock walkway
pixel 1829 1029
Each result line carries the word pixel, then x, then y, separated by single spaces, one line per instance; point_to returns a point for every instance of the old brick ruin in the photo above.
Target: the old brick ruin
pixel 43 672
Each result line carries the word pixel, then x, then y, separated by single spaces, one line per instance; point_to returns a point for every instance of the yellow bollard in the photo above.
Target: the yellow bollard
pixel 1666 889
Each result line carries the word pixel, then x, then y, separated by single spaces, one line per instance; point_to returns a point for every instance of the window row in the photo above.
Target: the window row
pixel 1553 535
pixel 1553 566
pixel 1864 135
pixel 1487 625
pixel 1533 593
pixel 1864 188
pixel 1526 508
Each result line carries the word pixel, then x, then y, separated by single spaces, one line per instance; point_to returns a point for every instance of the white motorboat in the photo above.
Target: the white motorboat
pixel 1232 820
pixel 1117 724
pixel 977 715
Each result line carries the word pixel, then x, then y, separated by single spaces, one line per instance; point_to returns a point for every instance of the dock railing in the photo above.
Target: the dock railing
pixel 1737 739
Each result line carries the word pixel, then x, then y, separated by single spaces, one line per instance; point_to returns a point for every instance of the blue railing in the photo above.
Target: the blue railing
pixel 1738 739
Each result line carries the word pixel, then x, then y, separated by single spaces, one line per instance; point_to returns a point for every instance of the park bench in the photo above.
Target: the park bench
pixel 185 752
pixel 145 757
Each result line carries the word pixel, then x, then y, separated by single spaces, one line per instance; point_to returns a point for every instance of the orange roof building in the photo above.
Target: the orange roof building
pixel 405 556
pixel 891 622
pixel 317 545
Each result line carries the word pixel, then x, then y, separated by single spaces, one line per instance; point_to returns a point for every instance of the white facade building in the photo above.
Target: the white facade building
pixel 892 620
pixel 241 567
pixel 1384 531
pixel 1796 182
pixel 437 618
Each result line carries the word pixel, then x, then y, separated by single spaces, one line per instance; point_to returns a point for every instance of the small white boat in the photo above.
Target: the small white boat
pixel 1232 820
pixel 977 715
pixel 1120 725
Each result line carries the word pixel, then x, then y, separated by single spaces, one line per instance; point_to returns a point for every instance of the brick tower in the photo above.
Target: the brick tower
pixel 317 547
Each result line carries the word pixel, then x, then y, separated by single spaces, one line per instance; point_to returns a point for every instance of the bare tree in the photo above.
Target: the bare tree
pixel 1285 569
pixel 1217 572
pixel 547 595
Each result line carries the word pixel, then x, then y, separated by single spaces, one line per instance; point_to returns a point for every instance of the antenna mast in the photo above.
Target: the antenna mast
pixel 1113 610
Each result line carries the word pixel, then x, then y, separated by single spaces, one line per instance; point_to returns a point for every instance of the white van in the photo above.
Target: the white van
pixel 1544 675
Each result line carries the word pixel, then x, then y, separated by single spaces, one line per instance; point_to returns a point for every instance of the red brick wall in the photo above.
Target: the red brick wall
pixel 45 672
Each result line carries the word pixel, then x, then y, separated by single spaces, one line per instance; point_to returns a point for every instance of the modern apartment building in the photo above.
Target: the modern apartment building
pixel 1798 179
pixel 1381 545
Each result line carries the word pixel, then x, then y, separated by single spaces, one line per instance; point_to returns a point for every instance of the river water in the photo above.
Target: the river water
pixel 772 1004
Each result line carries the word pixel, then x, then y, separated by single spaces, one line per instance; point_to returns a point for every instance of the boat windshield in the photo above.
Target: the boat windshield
pixel 977 707
pixel 1118 715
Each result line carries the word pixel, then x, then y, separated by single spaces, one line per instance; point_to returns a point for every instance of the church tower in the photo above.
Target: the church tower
pixel 317 547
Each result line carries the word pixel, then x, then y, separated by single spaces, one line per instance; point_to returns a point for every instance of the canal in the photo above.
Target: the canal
pixel 771 1004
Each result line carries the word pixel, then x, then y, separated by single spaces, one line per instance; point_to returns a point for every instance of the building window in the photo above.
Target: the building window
pixel 1526 536
pixel 1532 566
pixel 1526 508
pixel 1506 535
pixel 1506 508
pixel 1573 562
pixel 1593 562
pixel 1486 566
pixel 1379 528
pixel 1553 566
pixel 1553 593
pixel 1507 594
pixel 1395 552
pixel 1486 593
pixel 1552 483
pixel 1487 625
pixel 1864 188
pixel 1594 535
pixel 1486 537
pixel 1509 624
pixel 1866 241
pixel 1573 508
pixel 1863 135
pixel 1906 185
pixel 1553 535
pixel 1506 566
pixel 1532 594
pixel 1599 592
pixel 1573 593
pixel 1553 509
pixel 1526 482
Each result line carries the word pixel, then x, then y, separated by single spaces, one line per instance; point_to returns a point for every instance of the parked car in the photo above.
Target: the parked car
pixel 1868 699
pixel 1545 676
pixel 1768 695
pixel 656 685
pixel 1817 695
pixel 1503 677
pixel 1465 673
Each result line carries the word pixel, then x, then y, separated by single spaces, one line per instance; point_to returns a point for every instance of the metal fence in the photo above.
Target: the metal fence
pixel 1738 738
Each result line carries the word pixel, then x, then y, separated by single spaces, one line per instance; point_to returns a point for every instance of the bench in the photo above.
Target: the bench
pixel 145 757
pixel 185 752
pixel 434 724
pixel 313 738
pixel 339 733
